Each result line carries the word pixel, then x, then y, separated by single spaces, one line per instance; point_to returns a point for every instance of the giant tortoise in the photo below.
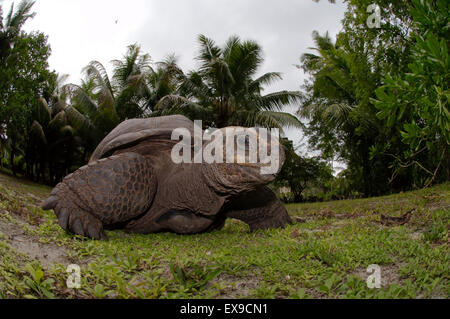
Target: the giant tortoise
pixel 132 183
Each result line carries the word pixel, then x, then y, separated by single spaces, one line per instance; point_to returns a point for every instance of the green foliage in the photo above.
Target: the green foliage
pixel 416 103
pixel 53 143
pixel 11 27
pixel 341 120
pixel 37 283
pixel 438 229
pixel 193 277
pixel 299 173
pixel 377 98
pixel 24 76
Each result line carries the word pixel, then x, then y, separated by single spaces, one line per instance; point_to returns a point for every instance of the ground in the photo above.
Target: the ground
pixel 325 254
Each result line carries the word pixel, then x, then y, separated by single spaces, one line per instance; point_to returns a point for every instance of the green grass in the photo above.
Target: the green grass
pixel 325 255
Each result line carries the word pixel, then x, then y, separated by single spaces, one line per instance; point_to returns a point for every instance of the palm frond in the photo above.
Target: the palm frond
pixel 43 111
pixel 232 43
pixel 170 101
pixel 278 100
pixel 15 20
pixel 271 119
pixel 37 134
pixel 81 100
pixel 96 71
pixel 245 60
pixel 59 121
pixel 194 86
pixel 209 51
pixel 263 80
pixel 9 16
pixel 133 63
pixel 79 121
pixel 168 69
pixel 220 76
pixel 337 113
pixel 308 110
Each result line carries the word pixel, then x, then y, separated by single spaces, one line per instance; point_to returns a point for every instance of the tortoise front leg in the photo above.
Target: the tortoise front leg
pixel 103 193
pixel 260 209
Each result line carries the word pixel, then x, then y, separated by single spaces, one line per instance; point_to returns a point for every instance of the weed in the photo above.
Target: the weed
pixel 37 283
pixel 191 276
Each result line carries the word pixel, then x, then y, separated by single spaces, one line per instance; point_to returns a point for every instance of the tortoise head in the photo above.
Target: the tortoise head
pixel 251 157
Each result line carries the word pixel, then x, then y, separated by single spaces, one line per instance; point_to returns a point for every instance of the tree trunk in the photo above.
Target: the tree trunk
pixel 11 161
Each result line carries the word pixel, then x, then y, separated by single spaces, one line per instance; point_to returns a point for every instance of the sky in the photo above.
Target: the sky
pixel 80 31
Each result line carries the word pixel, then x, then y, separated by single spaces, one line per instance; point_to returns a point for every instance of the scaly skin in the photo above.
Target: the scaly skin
pixel 260 209
pixel 103 193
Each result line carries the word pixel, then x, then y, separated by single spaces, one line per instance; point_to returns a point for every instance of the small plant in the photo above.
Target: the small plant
pixel 99 291
pixel 267 290
pixel 438 230
pixel 37 284
pixel 354 287
pixel 329 284
pixel 324 254
pixel 130 261
pixel 301 294
pixel 191 276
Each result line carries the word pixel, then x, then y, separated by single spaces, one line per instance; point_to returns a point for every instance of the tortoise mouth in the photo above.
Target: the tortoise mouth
pixel 246 174
pixel 258 167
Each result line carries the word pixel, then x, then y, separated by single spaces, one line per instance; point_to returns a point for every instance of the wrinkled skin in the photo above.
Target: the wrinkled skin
pixel 132 183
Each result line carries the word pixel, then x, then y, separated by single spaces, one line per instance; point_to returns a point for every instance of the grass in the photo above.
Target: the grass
pixel 324 255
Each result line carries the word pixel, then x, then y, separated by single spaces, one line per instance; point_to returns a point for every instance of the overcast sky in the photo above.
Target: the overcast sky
pixel 83 30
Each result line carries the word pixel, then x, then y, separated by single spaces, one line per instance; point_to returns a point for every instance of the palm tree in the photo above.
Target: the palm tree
pixel 130 82
pixel 95 98
pixel 163 81
pixel 341 117
pixel 333 94
pixel 224 90
pixel 59 137
pixel 10 28
pixel 108 101
pixel 51 143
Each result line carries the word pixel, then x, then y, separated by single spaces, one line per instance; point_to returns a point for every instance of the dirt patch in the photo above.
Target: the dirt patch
pixel 323 214
pixel 389 275
pixel 328 214
pixel 33 199
pixel 416 236
pixel 236 287
pixel 393 220
pixel 299 220
pixel 437 206
pixel 295 233
pixel 46 254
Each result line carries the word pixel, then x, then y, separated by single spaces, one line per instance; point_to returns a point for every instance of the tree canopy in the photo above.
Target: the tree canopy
pixel 377 98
